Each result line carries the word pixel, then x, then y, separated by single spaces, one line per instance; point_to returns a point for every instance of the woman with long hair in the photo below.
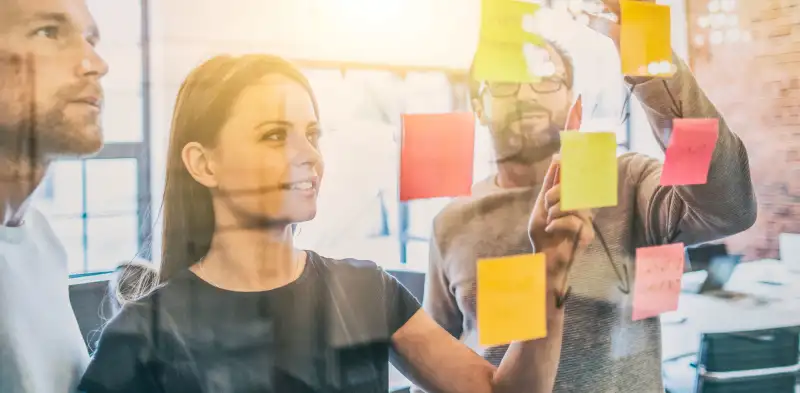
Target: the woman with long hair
pixel 238 308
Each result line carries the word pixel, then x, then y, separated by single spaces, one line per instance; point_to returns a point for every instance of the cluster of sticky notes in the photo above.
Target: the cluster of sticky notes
pixel 588 170
pixel 657 284
pixel 689 152
pixel 645 46
pixel 436 155
pixel 500 56
pixel 511 299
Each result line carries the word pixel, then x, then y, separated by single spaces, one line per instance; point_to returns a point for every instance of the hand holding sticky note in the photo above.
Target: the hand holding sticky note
pixel 645 39
pixel 691 147
pixel 657 286
pixel 436 158
pixel 511 304
pixel 588 170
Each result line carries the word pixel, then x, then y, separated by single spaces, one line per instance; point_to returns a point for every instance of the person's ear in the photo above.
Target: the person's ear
pixel 480 111
pixel 575 116
pixel 198 162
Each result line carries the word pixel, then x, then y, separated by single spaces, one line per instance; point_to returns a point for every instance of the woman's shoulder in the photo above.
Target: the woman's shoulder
pixel 346 268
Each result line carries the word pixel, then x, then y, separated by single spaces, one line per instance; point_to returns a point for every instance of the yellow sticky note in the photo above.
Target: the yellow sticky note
pixel 645 41
pixel 503 21
pixel 588 170
pixel 501 62
pixel 511 304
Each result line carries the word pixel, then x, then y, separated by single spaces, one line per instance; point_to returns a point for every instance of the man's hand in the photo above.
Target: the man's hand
pixel 555 232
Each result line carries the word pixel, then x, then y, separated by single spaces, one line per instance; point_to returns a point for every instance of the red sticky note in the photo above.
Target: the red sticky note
pixel 436 155
pixel 657 285
pixel 688 155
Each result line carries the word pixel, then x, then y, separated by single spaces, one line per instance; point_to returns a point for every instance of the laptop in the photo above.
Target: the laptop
pixel 719 271
pixel 789 244
pixel 699 257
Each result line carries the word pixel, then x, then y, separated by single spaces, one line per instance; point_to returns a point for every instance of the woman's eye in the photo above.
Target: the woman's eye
pixel 50 32
pixel 275 135
pixel 314 135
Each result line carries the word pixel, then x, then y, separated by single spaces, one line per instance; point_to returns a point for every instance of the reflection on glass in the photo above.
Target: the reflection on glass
pixel 70 232
pixel 122 116
pixel 111 240
pixel 61 196
pixel 111 186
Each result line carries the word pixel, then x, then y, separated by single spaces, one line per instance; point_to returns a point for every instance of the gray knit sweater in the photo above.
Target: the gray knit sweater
pixel 603 350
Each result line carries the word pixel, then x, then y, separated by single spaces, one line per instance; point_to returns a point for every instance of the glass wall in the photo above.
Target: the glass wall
pixel 96 206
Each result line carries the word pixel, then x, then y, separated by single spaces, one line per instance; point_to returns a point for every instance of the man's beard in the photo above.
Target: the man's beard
pixel 26 131
pixel 526 145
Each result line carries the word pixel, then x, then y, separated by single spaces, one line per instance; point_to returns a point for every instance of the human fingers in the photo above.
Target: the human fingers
pixel 552 197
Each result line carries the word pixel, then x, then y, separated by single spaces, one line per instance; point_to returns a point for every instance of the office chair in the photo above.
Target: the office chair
pixel 764 361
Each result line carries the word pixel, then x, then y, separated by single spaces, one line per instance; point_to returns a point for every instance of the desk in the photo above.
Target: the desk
pixel 769 306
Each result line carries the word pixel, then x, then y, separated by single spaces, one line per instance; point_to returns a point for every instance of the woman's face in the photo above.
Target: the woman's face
pixel 266 167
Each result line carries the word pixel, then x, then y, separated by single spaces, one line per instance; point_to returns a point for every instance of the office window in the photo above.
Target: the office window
pixel 97 205
pixel 359 213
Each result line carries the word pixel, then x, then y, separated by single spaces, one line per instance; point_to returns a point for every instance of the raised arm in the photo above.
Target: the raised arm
pixel 434 360
pixel 690 214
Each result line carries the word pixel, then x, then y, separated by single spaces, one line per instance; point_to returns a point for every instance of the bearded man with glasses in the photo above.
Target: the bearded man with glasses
pixel 602 349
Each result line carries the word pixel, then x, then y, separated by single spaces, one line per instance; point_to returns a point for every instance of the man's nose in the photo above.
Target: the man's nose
pixel 91 63
pixel 526 92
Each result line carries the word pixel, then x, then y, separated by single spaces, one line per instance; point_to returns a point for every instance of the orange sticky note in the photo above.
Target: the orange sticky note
pixel 511 299
pixel 645 39
pixel 436 157
pixel 502 21
pixel 658 280
pixel 588 170
pixel 691 147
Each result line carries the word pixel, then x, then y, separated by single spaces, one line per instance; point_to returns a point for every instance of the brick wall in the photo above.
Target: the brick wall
pixel 756 85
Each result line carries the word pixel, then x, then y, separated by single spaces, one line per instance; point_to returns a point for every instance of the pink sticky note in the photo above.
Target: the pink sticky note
pixel 658 280
pixel 436 157
pixel 688 155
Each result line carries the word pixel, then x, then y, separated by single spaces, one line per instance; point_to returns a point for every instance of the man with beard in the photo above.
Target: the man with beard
pixel 603 350
pixel 50 99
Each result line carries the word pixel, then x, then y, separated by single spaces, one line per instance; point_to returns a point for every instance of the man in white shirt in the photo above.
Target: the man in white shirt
pixel 50 100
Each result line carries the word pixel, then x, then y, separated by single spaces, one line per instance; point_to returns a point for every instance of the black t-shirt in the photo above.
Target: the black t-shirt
pixel 328 331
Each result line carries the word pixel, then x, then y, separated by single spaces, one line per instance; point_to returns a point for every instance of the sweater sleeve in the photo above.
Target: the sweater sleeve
pixel 725 205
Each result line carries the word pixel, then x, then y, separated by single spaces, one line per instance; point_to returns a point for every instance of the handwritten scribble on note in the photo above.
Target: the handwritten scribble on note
pixel 657 286
pixel 691 147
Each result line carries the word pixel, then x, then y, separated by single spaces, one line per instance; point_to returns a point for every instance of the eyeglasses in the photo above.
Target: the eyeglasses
pixel 546 85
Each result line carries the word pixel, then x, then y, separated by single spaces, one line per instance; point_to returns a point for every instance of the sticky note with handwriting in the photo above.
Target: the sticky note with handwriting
pixel 658 280
pixel 511 303
pixel 588 170
pixel 645 43
pixel 436 157
pixel 691 147
pixel 503 21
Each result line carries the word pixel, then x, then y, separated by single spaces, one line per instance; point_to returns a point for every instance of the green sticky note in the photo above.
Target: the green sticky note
pixel 501 62
pixel 588 170
pixel 502 21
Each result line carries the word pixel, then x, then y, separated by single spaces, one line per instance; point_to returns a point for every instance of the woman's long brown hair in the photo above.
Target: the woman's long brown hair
pixel 202 108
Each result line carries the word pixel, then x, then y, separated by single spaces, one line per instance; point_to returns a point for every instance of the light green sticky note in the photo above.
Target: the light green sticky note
pixel 588 170
pixel 502 20
pixel 501 62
